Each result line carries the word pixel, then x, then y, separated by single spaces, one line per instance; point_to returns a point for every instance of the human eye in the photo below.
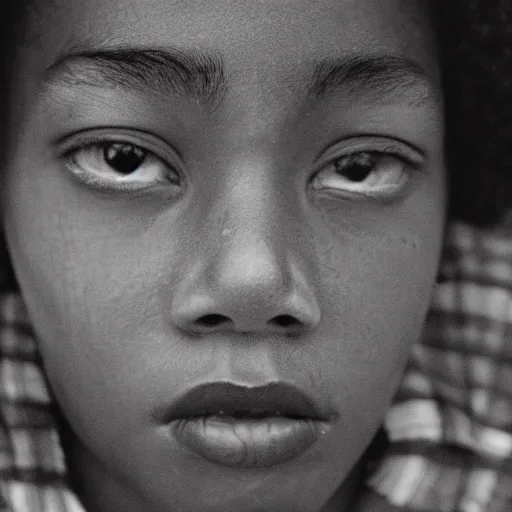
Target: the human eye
pixel 120 163
pixel 369 170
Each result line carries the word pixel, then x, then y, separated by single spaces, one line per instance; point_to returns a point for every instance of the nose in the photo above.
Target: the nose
pixel 248 281
pixel 247 288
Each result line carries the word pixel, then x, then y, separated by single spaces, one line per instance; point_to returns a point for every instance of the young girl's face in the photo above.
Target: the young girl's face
pixel 249 193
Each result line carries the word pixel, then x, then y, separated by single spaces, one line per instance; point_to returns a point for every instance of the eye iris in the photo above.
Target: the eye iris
pixel 124 158
pixel 355 167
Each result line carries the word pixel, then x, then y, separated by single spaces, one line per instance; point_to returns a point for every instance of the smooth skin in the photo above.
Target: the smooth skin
pixel 285 223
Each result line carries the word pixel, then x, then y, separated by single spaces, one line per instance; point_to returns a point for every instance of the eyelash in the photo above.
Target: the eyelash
pixel 411 159
pixel 406 156
pixel 70 151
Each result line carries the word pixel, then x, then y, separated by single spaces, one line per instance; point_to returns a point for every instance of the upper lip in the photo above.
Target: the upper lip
pixel 230 399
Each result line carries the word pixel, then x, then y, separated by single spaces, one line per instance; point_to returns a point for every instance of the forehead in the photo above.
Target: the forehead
pixel 284 32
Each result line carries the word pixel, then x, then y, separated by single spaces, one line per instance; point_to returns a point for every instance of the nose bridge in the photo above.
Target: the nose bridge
pixel 250 277
pixel 251 251
pixel 252 259
pixel 254 218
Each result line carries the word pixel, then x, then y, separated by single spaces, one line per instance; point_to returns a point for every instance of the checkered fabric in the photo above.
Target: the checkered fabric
pixel 450 426
pixel 32 467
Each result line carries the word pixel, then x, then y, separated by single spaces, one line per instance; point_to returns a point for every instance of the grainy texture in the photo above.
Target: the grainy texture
pixel 475 41
pixel 450 425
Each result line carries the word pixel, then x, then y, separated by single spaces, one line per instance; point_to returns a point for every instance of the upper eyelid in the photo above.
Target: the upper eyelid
pixel 382 152
pixel 112 134
pixel 408 152
pixel 73 151
pixel 369 139
pixel 82 139
pixel 88 145
pixel 411 158
pixel 403 162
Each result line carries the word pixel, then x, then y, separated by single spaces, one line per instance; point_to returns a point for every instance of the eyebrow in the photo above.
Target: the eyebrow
pixel 200 76
pixel 376 78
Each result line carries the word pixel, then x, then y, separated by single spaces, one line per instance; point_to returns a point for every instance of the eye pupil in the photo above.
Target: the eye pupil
pixel 123 158
pixel 356 167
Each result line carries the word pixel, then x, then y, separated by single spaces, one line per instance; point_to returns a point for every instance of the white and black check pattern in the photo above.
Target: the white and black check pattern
pixel 450 426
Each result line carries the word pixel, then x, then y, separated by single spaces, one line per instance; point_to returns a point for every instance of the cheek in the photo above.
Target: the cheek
pixel 377 293
pixel 89 290
pixel 378 308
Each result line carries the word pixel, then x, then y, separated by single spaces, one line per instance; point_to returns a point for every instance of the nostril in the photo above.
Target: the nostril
pixel 285 321
pixel 213 320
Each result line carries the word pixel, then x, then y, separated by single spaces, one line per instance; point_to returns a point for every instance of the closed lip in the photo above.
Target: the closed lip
pixel 234 400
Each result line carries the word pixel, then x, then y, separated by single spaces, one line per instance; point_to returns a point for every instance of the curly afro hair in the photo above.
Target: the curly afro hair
pixel 475 49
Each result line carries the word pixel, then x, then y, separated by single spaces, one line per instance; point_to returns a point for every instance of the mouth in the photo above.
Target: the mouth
pixel 240 426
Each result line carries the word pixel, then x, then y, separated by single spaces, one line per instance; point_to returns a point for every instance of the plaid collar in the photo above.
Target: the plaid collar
pixel 450 425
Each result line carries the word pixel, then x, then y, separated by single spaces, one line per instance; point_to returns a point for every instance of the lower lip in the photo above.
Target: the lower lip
pixel 247 442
